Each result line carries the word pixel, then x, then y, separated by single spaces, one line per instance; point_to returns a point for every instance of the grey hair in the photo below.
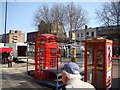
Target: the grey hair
pixel 71 76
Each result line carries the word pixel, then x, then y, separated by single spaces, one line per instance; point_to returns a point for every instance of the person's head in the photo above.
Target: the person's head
pixel 10 53
pixel 70 71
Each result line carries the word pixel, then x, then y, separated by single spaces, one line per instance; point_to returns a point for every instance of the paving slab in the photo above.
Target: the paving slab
pixel 16 77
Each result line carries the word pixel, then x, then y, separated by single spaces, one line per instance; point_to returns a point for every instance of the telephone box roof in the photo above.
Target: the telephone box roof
pixel 46 36
pixel 97 39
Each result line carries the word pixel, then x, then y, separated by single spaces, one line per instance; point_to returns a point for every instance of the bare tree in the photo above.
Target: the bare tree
pixel 109 13
pixel 58 14
pixel 75 16
pixel 71 16
pixel 42 14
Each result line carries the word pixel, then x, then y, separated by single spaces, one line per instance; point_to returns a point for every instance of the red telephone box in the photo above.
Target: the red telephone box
pixel 98 62
pixel 46 53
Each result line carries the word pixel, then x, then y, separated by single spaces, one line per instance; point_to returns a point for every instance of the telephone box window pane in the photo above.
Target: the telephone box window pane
pixel 90 63
pixel 52 61
pixel 52 54
pixel 52 51
pixel 100 56
pixel 41 48
pixel 90 55
pixel 100 53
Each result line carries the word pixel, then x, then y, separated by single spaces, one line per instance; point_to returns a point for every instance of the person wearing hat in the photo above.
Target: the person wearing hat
pixel 72 78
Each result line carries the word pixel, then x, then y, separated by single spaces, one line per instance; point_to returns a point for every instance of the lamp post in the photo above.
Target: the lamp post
pixel 5 23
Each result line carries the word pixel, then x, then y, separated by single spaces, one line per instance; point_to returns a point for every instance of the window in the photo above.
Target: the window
pixel 87 33
pixel 78 35
pixel 92 34
pixel 81 34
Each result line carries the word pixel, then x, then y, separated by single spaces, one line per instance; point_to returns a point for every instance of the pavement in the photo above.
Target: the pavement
pixel 17 77
pixel 116 75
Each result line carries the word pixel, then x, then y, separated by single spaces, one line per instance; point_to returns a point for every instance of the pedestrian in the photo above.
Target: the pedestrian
pixel 10 59
pixel 4 57
pixel 72 78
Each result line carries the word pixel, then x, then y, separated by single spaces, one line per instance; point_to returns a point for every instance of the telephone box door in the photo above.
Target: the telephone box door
pixel 95 65
pixel 98 64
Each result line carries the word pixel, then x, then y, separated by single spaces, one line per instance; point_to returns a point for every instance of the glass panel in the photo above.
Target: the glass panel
pixel 53 58
pixel 53 61
pixel 41 55
pixel 90 64
pixel 52 51
pixel 100 53
pixel 100 56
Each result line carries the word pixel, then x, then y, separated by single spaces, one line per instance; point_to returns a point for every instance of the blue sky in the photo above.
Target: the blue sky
pixel 20 15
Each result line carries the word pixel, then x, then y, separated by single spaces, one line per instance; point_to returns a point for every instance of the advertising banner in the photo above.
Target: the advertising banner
pixel 109 65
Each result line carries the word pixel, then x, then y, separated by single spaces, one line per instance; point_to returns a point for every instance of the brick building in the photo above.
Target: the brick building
pixel 14 36
pixel 31 36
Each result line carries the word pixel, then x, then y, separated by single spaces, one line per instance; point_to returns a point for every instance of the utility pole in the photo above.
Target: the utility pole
pixel 5 23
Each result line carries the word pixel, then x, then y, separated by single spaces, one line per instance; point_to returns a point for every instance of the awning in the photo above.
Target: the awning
pixel 5 49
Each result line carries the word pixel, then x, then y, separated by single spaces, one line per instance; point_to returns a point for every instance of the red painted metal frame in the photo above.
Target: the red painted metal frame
pixel 104 66
pixel 104 43
pixel 43 54
pixel 85 61
pixel 95 63
pixel 37 62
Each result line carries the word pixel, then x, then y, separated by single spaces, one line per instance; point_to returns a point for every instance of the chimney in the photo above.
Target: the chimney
pixel 85 26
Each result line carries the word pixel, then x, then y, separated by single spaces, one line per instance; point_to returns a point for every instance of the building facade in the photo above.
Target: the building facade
pixel 83 34
pixel 109 32
pixel 51 28
pixel 31 36
pixel 112 33
pixel 14 36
